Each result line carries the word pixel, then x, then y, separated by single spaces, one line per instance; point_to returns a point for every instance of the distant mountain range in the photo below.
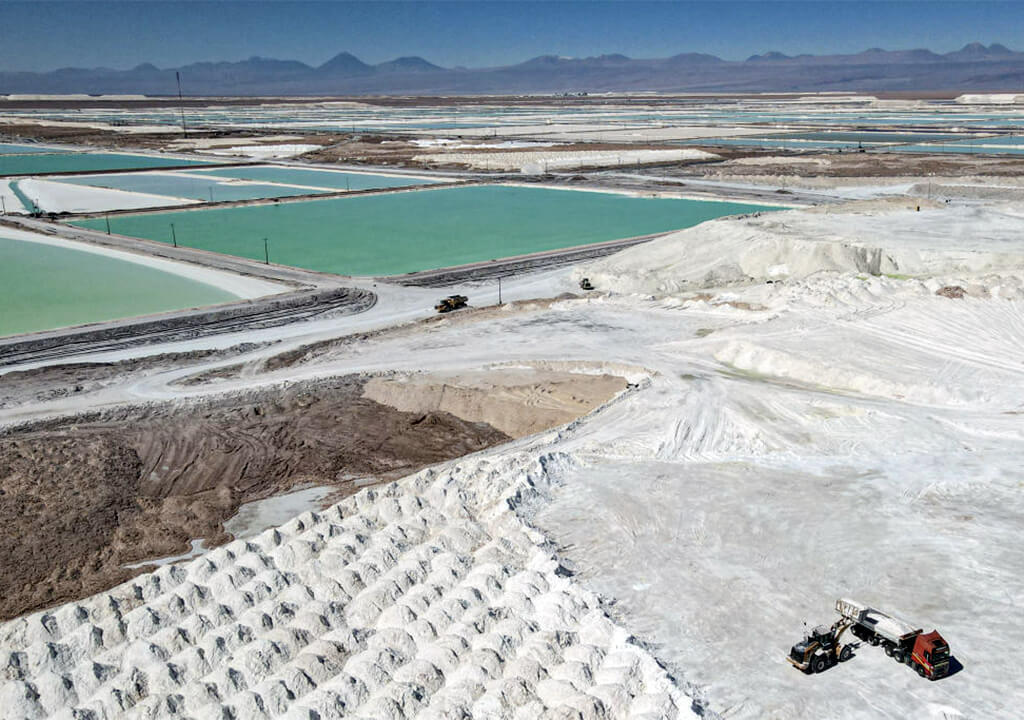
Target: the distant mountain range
pixel 973 67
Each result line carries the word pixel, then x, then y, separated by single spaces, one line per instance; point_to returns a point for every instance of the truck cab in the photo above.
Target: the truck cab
pixel 930 657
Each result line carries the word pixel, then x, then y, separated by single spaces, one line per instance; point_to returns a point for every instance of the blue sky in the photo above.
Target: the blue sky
pixel 46 35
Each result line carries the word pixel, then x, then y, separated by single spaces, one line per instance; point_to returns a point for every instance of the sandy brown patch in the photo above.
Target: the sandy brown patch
pixel 518 402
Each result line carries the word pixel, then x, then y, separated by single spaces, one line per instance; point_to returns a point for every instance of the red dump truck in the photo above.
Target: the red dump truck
pixel 927 653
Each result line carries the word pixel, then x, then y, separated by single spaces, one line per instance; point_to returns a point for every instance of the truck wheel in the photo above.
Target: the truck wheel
pixel 888 649
pixel 846 653
pixel 874 640
pixel 920 670
pixel 897 655
pixel 820 664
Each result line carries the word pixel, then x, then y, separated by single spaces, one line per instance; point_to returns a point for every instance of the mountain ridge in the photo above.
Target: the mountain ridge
pixel 975 66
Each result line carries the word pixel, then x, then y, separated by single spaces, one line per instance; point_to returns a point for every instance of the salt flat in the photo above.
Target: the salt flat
pixel 841 430
pixel 56 197
pixel 540 161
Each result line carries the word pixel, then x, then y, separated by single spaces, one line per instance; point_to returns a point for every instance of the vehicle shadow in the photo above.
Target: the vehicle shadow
pixel 854 647
pixel 955 666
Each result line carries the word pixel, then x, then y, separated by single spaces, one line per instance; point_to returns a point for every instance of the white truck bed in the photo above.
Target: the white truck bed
pixel 889 627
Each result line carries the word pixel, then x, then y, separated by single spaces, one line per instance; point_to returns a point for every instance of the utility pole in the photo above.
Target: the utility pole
pixel 174 238
pixel 108 224
pixel 181 104
pixel 3 205
pixel 266 252
pixel 499 289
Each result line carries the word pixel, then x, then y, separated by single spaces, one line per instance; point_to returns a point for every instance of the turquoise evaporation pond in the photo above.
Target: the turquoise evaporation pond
pixel 331 179
pixel 841 136
pixel 84 162
pixel 960 147
pixel 44 287
pixel 8 149
pixel 1008 140
pixel 405 232
pixel 192 186
pixel 777 143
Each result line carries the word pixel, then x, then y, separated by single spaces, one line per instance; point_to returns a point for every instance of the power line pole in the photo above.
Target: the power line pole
pixel 499 289
pixel 181 105
pixel 266 252
pixel 174 238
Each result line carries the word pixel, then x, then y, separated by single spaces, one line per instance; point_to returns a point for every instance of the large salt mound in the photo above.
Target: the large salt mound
pixel 429 597
pixel 936 239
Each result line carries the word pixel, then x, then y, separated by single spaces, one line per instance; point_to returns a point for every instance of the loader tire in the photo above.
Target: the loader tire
pixel 846 653
pixel 820 664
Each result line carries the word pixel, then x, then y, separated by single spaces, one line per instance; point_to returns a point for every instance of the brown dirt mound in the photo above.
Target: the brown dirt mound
pixel 82 497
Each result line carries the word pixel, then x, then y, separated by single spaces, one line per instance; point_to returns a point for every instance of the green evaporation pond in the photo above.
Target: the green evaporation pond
pixel 44 287
pixel 868 137
pixel 331 179
pixel 962 147
pixel 192 186
pixel 84 162
pixel 8 149
pixel 1009 140
pixel 404 232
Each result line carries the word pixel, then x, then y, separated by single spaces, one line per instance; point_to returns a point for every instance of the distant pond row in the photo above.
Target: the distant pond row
pixel 45 286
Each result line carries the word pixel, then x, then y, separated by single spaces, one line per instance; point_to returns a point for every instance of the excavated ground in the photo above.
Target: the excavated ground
pixel 82 497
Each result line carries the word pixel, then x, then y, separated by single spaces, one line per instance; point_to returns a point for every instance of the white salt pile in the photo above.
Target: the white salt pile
pixel 872 237
pixel 265 152
pixel 428 597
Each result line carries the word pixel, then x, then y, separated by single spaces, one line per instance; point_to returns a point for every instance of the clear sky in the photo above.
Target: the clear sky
pixel 44 36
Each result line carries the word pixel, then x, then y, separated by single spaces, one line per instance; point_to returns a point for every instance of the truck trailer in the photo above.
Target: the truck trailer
pixel 927 653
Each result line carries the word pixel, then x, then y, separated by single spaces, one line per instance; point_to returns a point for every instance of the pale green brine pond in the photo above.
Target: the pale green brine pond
pixel 189 186
pixel 39 163
pixel 420 230
pixel 326 179
pixel 44 287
